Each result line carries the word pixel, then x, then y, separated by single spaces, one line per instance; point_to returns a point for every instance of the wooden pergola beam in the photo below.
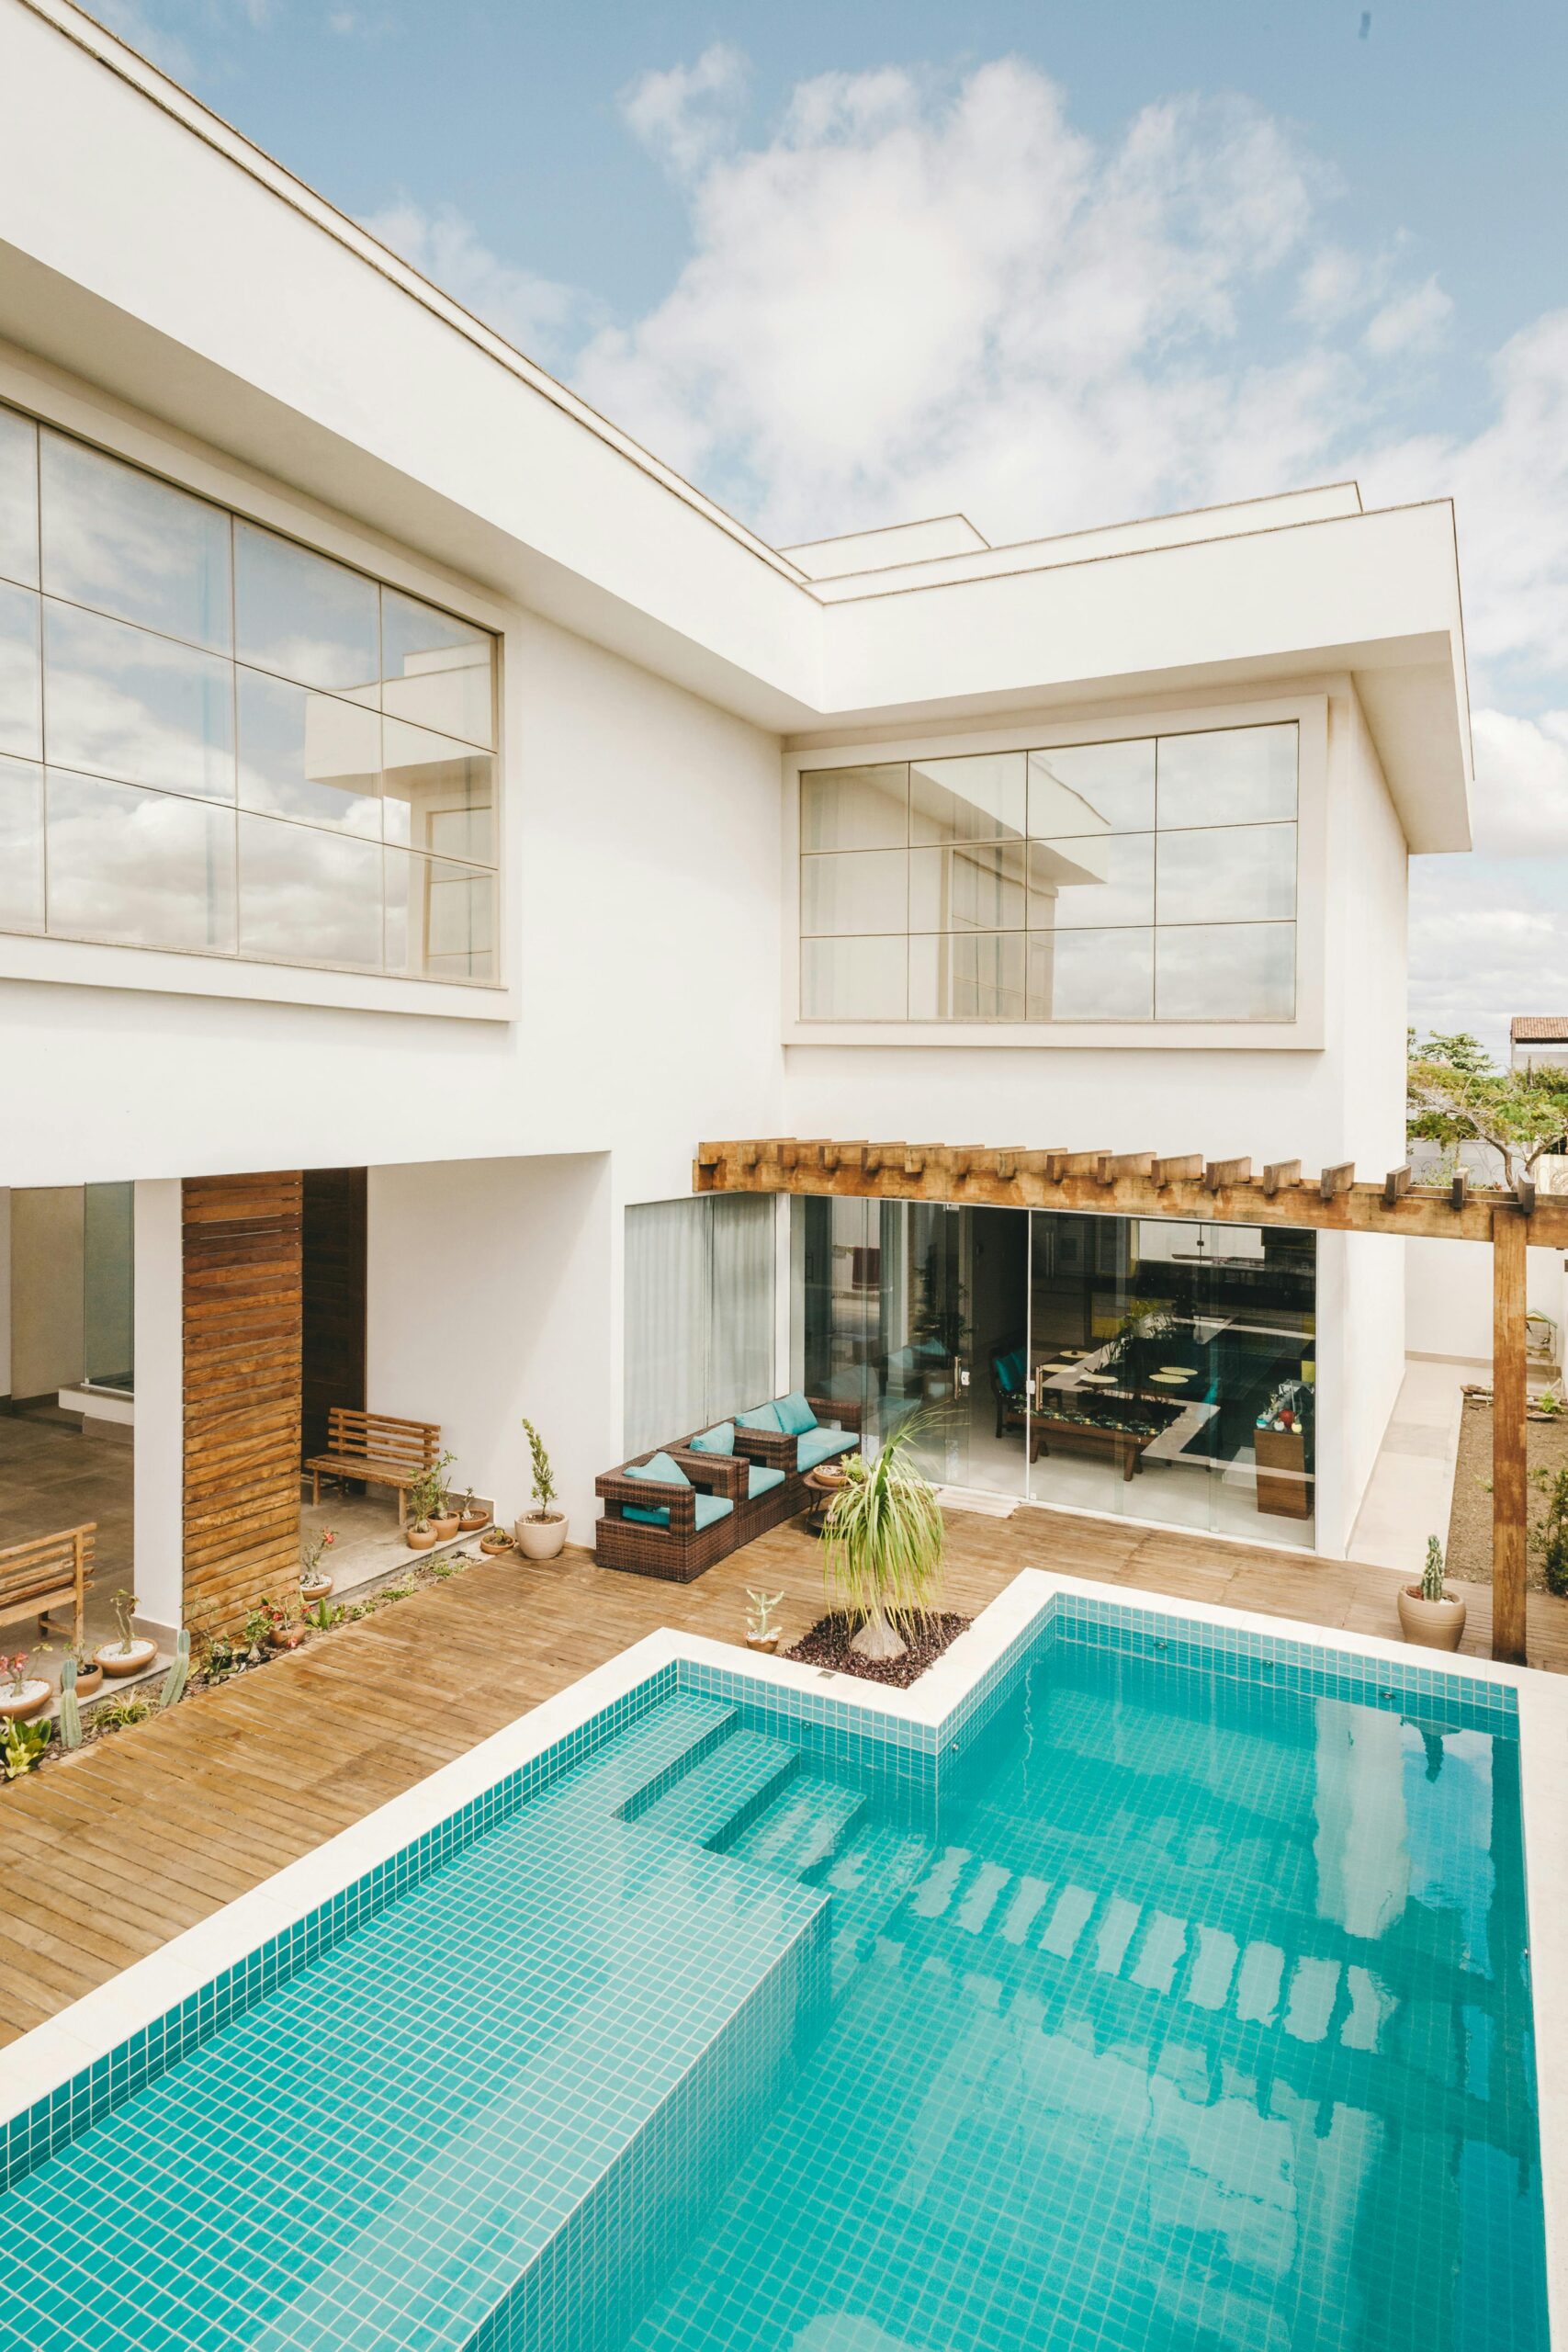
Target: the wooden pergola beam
pixel 1105 1183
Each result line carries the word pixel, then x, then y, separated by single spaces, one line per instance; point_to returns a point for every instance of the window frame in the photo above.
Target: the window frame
pixel 252 498
pixel 1308 710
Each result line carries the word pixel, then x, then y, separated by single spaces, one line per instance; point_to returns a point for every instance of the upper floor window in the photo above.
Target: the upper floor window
pixel 213 739
pixel 1153 879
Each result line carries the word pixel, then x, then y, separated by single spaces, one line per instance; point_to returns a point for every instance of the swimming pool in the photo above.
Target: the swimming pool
pixel 1169 1987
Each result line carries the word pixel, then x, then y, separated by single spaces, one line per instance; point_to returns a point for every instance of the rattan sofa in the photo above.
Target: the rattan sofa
pixel 678 1550
pixel 793 1454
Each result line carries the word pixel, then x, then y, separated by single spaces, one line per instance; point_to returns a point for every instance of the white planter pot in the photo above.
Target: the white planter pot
pixel 1435 1624
pixel 541 1539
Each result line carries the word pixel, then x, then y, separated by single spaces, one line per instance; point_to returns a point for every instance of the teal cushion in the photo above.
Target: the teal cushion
pixel 668 1472
pixel 1010 1372
pixel 796 1416
pixel 819 1445
pixel 762 1482
pixel 761 1416
pixel 710 1508
pixel 716 1441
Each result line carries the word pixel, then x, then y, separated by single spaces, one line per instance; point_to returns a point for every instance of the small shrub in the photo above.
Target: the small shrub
pixel 1552 1539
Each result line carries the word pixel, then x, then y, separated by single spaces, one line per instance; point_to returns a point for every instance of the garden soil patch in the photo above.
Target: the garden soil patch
pixel 1470 1521
pixel 828 1643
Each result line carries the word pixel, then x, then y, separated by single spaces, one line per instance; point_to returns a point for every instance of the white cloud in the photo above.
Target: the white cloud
pixel 1486 942
pixel 920 293
pixel 1521 785
pixel 1415 321
pixel 538 315
pixel 685 115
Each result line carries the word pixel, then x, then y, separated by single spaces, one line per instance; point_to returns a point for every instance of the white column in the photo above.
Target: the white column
pixel 160 1406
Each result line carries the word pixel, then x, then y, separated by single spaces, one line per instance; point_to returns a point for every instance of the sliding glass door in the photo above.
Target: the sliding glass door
pixel 1136 1367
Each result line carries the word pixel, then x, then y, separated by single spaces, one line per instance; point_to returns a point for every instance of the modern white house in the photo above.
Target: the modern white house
pixel 417 797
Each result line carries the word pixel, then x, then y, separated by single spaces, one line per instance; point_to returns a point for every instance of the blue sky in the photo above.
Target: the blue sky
pixel 1056 265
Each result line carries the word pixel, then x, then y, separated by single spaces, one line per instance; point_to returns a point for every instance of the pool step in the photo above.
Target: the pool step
pixel 635 1769
pixel 804 1826
pixel 722 1792
pixel 867 1881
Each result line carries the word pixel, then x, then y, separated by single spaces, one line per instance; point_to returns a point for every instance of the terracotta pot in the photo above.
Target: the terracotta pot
pixel 447 1526
pixel 89 1680
pixel 1435 1624
pixel 495 1540
pixel 541 1534
pixel 766 1642
pixel 287 1637
pixel 116 1661
pixel 472 1519
pixel 21 1706
pixel 419 1539
pixel 316 1590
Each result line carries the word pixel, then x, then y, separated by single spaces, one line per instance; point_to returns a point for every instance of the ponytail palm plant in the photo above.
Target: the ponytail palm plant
pixel 882 1547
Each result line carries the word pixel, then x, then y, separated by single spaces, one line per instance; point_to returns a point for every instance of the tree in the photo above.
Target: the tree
pixel 881 1549
pixel 1456 1094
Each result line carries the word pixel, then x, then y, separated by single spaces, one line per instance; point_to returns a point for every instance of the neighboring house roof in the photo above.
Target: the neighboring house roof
pixel 1539 1029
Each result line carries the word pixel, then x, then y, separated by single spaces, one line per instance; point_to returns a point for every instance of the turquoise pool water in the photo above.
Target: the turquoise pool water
pixel 1180 2010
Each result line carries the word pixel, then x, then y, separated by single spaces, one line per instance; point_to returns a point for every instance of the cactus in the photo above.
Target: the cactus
pixel 1432 1573
pixel 173 1687
pixel 70 1706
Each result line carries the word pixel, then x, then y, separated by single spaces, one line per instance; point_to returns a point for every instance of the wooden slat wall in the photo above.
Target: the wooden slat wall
pixel 242 1333
pixel 333 1299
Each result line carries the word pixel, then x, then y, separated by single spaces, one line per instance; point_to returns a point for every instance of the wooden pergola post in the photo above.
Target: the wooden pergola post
pixel 1510 1486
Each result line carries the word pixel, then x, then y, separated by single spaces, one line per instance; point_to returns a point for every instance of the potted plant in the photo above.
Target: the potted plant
pixel 761 1634
pixel 882 1547
pixel 447 1516
pixel 541 1532
pixel 89 1673
pixel 496 1538
pixel 471 1514
pixel 1428 1613
pixel 314 1582
pixel 22 1696
pixel 424 1498
pixel 282 1631
pixel 133 1653
pixel 257 1633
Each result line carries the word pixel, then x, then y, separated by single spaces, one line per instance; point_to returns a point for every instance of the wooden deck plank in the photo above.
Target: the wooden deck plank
pixel 153 1829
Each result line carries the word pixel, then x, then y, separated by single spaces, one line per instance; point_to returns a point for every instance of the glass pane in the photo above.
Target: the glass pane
pixel 1090 975
pixel 22 845
pixel 854 980
pixel 125 702
pixel 1227 873
pixel 127 544
pixel 308 898
pixel 437 670
pixel 1237 776
pixel 313 619
pixel 978 799
pixel 857 891
pixel 978 889
pixel 1232 971
pixel 441 918
pixel 21 675
pixel 855 808
pixel 1089 884
pixel 308 755
pixel 437 795
pixel 742 1309
pixel 1092 788
pixel 668 1320
pixel 18 497
pixel 143 868
pixel 967 975
pixel 108 1252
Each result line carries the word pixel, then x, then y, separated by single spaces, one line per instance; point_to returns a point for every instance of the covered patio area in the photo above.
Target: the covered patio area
pixel 142 1835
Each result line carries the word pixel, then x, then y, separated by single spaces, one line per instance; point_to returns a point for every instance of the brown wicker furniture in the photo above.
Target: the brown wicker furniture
pixel 763 1497
pixel 378 1450
pixel 779 1450
pixel 48 1572
pixel 678 1550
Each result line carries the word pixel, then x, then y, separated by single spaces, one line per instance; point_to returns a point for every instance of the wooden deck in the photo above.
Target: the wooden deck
pixel 107 1857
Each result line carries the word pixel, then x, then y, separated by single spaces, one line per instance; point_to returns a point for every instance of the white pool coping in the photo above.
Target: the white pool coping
pixel 44 2059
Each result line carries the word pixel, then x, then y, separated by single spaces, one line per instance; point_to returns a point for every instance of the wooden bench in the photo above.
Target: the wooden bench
pixel 46 1574
pixel 377 1449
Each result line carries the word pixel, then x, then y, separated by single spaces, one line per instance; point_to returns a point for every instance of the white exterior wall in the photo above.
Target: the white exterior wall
pixel 1447 1297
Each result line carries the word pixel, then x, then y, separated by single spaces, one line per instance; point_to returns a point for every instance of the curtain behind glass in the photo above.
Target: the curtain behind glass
pixel 667 1321
pixel 741 1325
pixel 700 1305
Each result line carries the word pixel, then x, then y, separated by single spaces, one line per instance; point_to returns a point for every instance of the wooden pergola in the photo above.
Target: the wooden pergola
pixel 1219 1192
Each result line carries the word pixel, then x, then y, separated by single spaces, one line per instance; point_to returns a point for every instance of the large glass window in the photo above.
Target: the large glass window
pixel 701 1297
pixel 214 739
pixel 1145 880
pixel 1154 1368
